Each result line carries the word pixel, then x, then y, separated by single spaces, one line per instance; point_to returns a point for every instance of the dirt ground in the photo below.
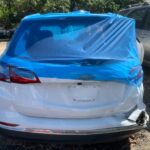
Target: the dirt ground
pixel 2 46
pixel 138 141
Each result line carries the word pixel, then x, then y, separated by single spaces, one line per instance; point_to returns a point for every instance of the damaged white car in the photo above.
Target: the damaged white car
pixel 72 77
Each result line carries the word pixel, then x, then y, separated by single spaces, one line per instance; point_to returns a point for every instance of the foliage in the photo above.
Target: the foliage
pixel 98 6
pixel 57 6
pixel 11 11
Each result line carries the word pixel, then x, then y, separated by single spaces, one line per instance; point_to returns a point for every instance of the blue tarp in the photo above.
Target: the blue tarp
pixel 77 46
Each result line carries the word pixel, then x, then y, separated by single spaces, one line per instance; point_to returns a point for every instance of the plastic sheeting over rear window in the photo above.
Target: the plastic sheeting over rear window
pixel 76 38
pixel 107 41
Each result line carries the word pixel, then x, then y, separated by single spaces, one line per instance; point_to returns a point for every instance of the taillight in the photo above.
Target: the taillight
pixel 24 76
pixel 137 73
pixel 17 75
pixel 8 124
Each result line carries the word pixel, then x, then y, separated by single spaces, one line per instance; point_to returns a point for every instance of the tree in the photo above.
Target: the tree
pixel 125 3
pixel 57 6
pixel 27 7
pixel 102 5
pixel 7 12
pixel 11 11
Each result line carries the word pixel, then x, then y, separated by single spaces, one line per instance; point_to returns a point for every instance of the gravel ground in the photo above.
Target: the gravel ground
pixel 138 141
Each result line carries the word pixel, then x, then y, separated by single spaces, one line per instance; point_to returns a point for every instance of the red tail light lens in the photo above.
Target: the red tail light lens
pixel 17 75
pixel 24 76
pixel 8 124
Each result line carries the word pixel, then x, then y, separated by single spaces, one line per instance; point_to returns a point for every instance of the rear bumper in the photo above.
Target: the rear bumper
pixel 70 125
pixel 93 130
pixel 93 136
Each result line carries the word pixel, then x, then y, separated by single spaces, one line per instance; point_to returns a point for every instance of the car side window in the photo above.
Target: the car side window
pixel 139 16
pixel 147 22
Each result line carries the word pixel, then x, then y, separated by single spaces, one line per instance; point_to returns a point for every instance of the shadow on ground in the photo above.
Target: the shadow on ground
pixel 11 144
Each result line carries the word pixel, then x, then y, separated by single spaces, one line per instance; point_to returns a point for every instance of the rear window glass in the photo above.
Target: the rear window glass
pixel 46 38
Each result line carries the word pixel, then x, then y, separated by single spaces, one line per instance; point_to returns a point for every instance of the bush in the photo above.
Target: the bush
pixel 11 11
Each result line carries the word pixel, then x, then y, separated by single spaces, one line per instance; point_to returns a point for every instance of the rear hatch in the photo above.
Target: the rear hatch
pixel 68 99
pixel 34 95
pixel 74 67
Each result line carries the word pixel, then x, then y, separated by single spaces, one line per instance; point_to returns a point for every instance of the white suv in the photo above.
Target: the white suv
pixel 72 77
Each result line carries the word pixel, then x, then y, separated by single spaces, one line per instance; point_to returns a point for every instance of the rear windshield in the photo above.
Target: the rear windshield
pixel 50 39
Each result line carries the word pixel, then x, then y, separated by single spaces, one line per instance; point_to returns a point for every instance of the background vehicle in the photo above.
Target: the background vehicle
pixel 11 32
pixel 3 33
pixel 79 83
pixel 141 13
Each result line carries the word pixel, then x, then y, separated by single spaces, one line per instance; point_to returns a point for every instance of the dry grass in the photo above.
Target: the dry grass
pixel 2 46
